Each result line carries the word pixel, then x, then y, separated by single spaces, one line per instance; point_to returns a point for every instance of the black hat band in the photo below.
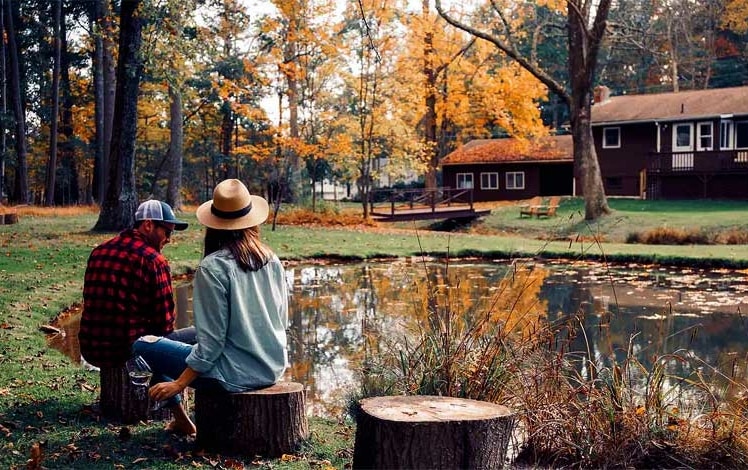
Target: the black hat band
pixel 230 214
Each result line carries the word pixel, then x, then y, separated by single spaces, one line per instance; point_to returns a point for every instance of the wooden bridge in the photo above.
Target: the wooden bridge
pixel 422 204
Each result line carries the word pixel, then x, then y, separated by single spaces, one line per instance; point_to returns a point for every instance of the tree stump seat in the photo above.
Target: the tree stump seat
pixel 268 422
pixel 119 402
pixel 427 432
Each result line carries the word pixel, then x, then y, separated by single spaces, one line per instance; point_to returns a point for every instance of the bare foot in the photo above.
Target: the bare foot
pixel 180 428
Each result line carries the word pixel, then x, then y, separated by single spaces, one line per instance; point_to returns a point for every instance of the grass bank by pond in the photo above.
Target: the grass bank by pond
pixel 44 400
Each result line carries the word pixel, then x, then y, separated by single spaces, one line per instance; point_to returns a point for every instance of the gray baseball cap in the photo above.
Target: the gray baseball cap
pixel 159 211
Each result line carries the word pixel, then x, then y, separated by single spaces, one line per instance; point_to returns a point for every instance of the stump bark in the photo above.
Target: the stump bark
pixel 267 422
pixel 427 432
pixel 119 402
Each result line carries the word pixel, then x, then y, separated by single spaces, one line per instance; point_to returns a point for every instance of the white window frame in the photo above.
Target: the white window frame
pixel 726 135
pixel 611 145
pixel 683 148
pixel 743 127
pixel 491 177
pixel 464 181
pixel 511 180
pixel 704 140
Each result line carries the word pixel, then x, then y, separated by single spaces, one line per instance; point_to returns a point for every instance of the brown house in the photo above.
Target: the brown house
pixel 685 145
pixel 509 169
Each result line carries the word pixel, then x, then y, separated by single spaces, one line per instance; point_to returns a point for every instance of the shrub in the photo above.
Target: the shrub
pixel 327 218
pixel 734 236
pixel 671 236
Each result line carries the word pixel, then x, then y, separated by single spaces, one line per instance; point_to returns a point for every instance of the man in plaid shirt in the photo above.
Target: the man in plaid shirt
pixel 127 290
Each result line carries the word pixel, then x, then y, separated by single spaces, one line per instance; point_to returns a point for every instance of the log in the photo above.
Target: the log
pixel 268 422
pixel 430 432
pixel 119 402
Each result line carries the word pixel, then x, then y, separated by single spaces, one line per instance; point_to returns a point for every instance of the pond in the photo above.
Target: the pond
pixel 650 310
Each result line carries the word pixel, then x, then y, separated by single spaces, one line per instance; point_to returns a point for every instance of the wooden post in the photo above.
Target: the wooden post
pixel 427 432
pixel 119 402
pixel 269 422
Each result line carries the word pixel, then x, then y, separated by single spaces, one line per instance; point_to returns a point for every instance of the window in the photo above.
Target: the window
pixel 725 135
pixel 741 135
pixel 489 181
pixel 704 137
pixel 682 137
pixel 464 181
pixel 611 137
pixel 515 180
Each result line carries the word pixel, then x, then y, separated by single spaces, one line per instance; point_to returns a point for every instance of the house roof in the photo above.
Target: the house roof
pixel 556 148
pixel 672 106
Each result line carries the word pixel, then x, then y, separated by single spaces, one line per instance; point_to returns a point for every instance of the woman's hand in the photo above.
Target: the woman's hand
pixel 164 390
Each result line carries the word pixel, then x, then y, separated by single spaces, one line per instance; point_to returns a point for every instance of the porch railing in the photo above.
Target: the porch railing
pixel 709 161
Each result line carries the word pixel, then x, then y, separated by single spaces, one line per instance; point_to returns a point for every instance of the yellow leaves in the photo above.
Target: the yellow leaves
pixel 735 16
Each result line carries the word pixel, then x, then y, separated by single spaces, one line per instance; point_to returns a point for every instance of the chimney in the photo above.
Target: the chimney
pixel 601 94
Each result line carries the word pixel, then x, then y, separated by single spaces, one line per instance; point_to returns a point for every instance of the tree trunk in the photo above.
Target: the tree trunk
pixel 429 432
pixel 118 209
pixel 176 128
pixel 429 120
pixel 269 422
pixel 4 110
pixel 109 91
pixel 68 190
pixel 583 49
pixel 49 192
pixel 96 24
pixel 22 170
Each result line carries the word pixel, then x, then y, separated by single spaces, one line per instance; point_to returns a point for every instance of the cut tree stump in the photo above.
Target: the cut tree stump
pixel 119 402
pixel 268 422
pixel 430 432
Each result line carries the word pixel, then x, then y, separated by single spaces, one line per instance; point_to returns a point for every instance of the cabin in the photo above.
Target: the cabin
pixel 511 168
pixel 685 145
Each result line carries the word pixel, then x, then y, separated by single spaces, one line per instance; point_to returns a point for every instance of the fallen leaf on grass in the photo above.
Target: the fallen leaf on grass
pixel 139 460
pixel 35 457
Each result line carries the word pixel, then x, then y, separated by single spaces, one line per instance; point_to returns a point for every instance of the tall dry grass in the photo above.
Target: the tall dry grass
pixel 577 407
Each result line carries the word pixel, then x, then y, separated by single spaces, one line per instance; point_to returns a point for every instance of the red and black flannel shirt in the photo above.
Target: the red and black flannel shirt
pixel 127 293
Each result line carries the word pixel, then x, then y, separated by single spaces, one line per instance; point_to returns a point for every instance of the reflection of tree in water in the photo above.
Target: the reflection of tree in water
pixel 452 331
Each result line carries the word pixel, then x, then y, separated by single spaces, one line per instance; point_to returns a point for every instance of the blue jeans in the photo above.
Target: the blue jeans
pixel 167 359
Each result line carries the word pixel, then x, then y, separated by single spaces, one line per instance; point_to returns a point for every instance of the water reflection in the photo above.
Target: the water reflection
pixel 649 311
pixel 645 311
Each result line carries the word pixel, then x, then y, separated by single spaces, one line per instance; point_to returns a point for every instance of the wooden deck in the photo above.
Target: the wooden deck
pixel 423 204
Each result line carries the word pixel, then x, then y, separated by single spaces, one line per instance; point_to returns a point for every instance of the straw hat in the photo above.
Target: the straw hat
pixel 232 207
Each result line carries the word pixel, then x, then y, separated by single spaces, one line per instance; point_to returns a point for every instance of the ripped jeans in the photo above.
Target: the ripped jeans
pixel 167 357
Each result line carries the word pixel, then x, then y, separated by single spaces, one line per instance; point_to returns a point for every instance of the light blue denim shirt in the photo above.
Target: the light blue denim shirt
pixel 240 320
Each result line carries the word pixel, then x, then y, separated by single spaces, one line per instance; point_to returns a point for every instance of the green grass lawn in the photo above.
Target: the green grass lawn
pixel 45 399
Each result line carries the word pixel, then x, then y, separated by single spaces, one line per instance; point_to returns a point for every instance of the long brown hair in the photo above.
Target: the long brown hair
pixel 245 246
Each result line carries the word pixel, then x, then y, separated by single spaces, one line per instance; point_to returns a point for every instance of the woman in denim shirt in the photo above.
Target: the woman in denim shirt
pixel 240 307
